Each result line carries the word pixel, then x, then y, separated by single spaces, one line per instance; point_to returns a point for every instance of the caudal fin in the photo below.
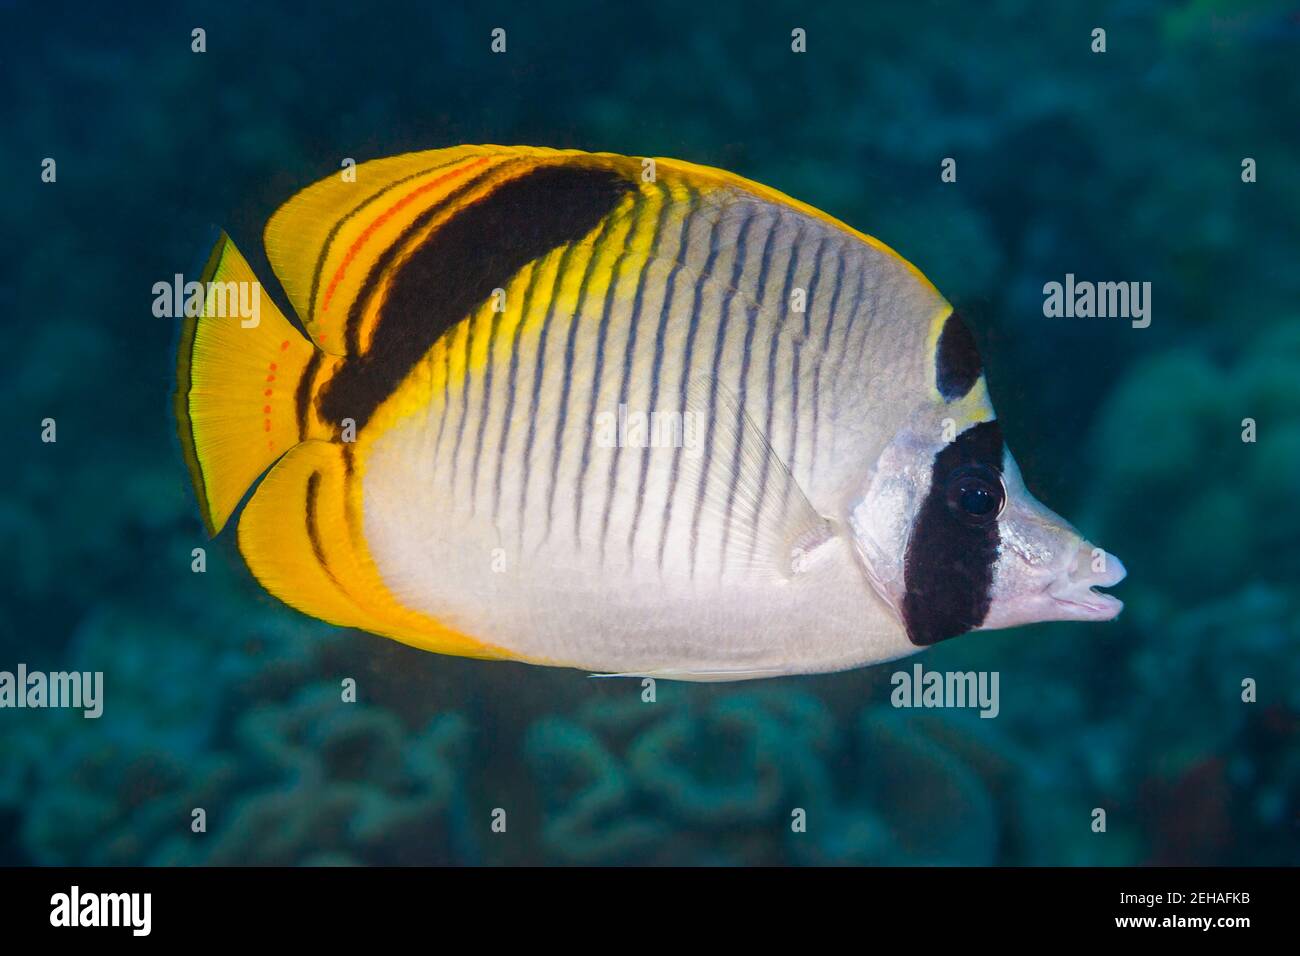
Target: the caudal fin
pixel 238 369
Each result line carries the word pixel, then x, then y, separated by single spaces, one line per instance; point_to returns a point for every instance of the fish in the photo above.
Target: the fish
pixel 634 416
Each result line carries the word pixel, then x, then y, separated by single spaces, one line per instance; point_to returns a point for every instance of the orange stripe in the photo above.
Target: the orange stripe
pixel 384 217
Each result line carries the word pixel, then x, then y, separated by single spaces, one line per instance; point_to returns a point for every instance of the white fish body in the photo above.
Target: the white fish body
pixel 519 480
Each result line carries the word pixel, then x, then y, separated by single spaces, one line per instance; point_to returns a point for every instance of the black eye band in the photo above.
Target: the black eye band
pixel 948 569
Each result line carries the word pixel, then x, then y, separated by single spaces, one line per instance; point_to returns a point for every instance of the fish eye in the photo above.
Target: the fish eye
pixel 975 494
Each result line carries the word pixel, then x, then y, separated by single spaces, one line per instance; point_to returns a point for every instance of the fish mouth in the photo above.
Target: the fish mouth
pixel 1094 606
pixel 1078 598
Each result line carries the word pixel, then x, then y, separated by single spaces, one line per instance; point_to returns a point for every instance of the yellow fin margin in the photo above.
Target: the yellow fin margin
pixel 297 538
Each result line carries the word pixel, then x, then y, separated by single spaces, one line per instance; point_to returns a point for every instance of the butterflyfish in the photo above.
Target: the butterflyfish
pixel 626 415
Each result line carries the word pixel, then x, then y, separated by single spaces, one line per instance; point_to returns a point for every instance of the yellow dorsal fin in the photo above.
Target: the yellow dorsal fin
pixel 300 537
pixel 334 240
pixel 324 241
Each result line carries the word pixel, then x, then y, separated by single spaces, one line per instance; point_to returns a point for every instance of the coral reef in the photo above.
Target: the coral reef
pixel 724 780
pixel 293 781
pixel 326 781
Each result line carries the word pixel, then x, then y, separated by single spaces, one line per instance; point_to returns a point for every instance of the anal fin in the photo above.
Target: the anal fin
pixel 299 542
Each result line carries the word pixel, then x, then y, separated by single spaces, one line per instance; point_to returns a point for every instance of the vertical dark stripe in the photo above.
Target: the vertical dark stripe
pixel 629 355
pixel 774 347
pixel 507 418
pixel 794 407
pixel 485 405
pixel 446 394
pixel 862 343
pixel 737 268
pixel 466 387
pixel 825 352
pixel 349 510
pixel 810 296
pixel 664 312
pixel 848 327
pixel 742 391
pixel 835 297
pixel 634 217
pixel 313 530
pixel 302 396
pixel 539 368
pixel 575 323
pixel 688 358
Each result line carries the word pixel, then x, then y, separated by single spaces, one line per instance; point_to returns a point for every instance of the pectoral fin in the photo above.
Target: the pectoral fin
pixel 759 520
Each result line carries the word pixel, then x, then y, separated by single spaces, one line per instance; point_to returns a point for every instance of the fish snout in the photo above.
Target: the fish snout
pixel 1074 590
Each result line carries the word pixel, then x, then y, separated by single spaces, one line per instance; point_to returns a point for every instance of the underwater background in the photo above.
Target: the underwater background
pixel 1117 166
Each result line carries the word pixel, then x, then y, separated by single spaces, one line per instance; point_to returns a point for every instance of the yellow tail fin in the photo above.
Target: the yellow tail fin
pixel 238 370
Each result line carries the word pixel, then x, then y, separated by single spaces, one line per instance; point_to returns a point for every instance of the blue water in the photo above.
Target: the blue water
pixel 1117 166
